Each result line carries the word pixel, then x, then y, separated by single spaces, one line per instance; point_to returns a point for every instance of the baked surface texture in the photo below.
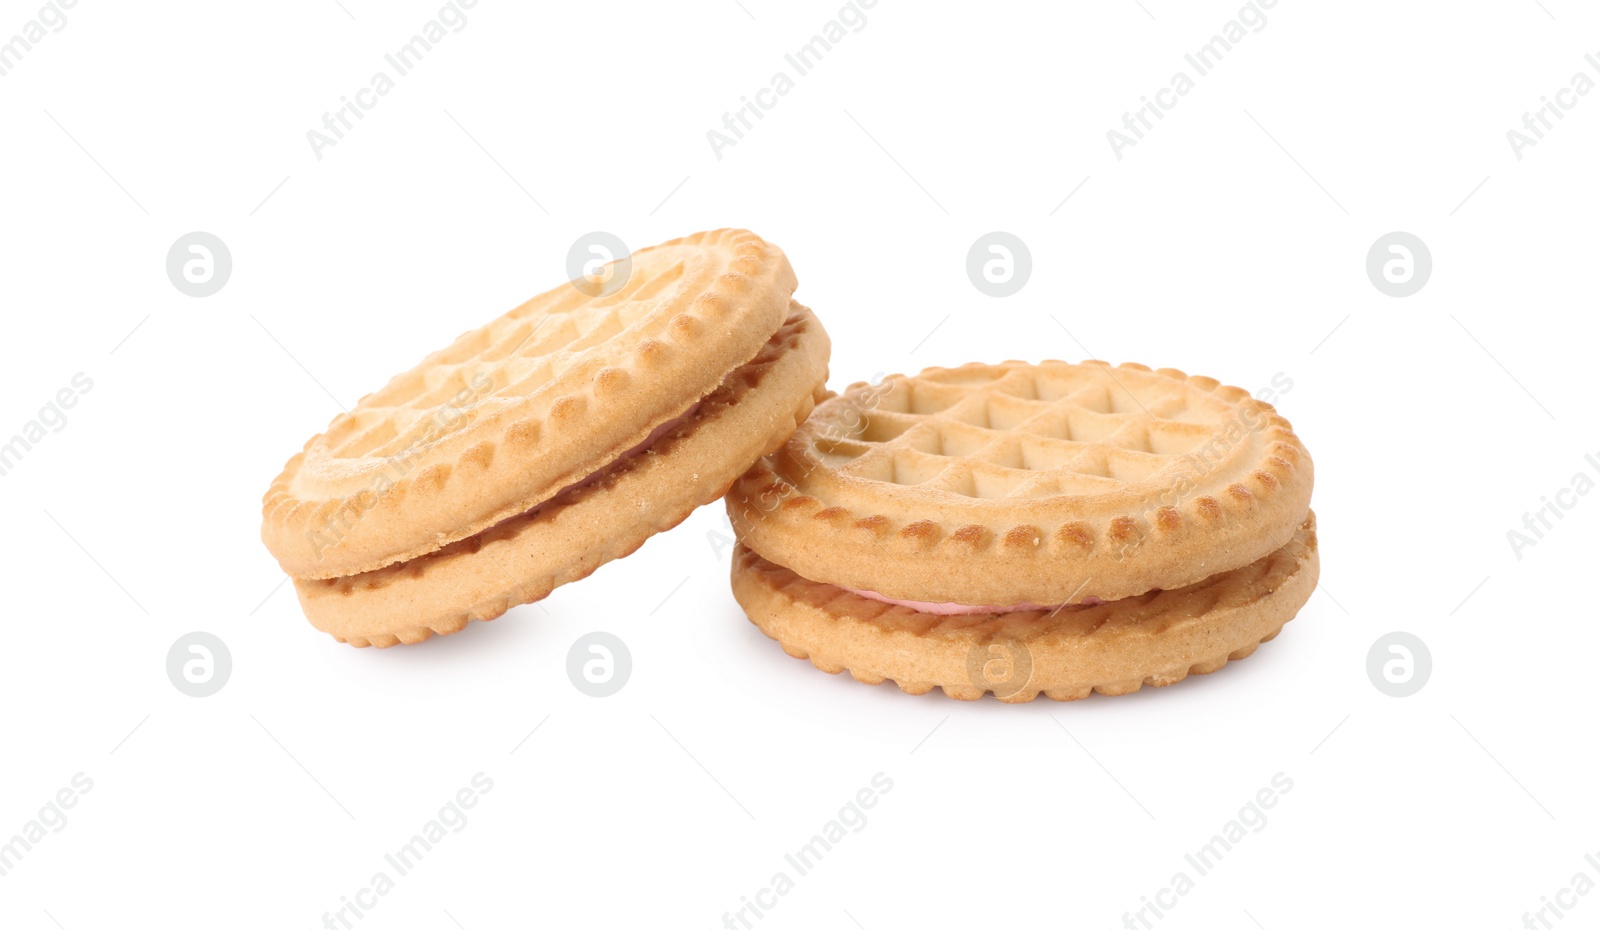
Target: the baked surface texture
pixel 515 411
pixel 1015 484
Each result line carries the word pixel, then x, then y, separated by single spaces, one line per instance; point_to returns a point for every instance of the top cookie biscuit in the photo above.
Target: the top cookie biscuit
pixel 513 412
pixel 1028 484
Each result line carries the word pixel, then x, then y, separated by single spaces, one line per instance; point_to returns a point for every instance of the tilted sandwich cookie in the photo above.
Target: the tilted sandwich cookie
pixel 540 446
pixel 1025 529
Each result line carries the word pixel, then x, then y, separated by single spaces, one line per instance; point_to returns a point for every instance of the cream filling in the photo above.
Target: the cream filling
pixel 950 608
pixel 621 460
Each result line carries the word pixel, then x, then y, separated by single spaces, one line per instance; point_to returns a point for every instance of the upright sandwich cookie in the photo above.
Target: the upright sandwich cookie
pixel 540 446
pixel 1024 529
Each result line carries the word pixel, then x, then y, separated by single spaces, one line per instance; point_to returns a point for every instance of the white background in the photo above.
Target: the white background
pixel 1231 242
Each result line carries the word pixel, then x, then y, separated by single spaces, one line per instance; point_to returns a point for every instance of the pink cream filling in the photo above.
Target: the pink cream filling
pixel 951 609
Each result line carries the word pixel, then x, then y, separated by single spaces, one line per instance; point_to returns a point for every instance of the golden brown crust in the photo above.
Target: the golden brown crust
pixel 516 410
pixel 1157 638
pixel 521 560
pixel 1018 483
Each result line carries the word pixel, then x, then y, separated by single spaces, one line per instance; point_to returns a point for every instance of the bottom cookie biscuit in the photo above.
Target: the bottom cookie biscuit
pixel 1158 638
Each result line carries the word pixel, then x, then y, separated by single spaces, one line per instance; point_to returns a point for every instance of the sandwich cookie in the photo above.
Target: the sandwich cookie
pixel 1024 529
pixel 544 444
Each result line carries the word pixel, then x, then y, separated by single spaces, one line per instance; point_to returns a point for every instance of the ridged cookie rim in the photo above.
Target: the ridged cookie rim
pixel 995 553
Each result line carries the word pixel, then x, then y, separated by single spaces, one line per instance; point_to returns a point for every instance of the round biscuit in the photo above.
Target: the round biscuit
pixel 1157 638
pixel 1027 484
